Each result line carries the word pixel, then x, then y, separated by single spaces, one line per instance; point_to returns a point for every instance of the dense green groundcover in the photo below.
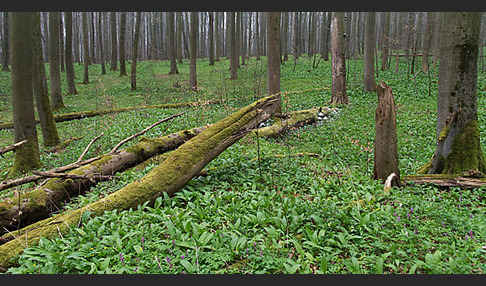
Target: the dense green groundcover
pixel 275 214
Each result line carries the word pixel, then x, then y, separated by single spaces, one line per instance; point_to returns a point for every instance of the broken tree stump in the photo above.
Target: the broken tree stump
pixel 169 177
pixel 385 145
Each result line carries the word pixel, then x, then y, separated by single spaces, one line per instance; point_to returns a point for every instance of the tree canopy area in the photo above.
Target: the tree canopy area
pixel 172 142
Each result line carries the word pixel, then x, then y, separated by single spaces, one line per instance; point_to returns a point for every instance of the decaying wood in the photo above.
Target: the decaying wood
pixel 93 177
pixel 80 158
pixel 86 114
pixel 40 202
pixel 169 177
pixel 12 147
pixel 143 131
pixel 443 180
pixel 386 151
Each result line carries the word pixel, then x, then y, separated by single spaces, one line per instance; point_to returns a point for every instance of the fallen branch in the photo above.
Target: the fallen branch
pixel 86 114
pixel 87 147
pixel 93 178
pixel 12 147
pixel 143 131
pixel 169 177
pixel 448 181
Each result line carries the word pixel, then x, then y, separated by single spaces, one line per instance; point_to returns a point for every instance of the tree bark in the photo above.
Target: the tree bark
pixel 172 44
pixel 123 28
pixel 211 38
pixel 385 145
pixel 40 92
pixel 133 70
pixel 114 46
pixel 5 43
pixel 68 21
pixel 338 91
pixel 179 37
pixel 458 141
pixel 61 44
pixel 273 53
pixel 369 56
pixel 193 44
pixel 233 46
pixel 21 39
pixel 386 42
pixel 169 177
pixel 54 74
pixel 100 44
pixel 427 41
pixel 85 47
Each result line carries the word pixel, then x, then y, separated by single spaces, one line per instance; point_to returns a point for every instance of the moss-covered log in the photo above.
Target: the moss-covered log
pixel 86 114
pixel 295 119
pixel 41 202
pixel 169 177
pixel 444 180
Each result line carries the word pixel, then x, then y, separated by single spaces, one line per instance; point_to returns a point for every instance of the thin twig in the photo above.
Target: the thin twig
pixel 87 147
pixel 144 131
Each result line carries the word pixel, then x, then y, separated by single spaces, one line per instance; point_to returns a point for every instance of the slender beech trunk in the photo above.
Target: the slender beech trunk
pixel 427 41
pixel 172 43
pixel 54 74
pixel 40 92
pixel 121 43
pixel 257 35
pixel 233 52
pixel 273 55
pixel 369 56
pixel 338 90
pixel 5 43
pixel 179 37
pixel 211 38
pixel 21 39
pixel 85 47
pixel 100 43
pixel 92 40
pixel 61 43
pixel 385 42
pixel 216 37
pixel 193 44
pixel 458 148
pixel 133 70
pixel 285 36
pixel 68 21
pixel 114 52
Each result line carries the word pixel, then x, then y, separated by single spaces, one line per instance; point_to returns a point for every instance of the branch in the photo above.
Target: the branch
pixel 87 147
pixel 12 147
pixel 72 176
pixel 143 131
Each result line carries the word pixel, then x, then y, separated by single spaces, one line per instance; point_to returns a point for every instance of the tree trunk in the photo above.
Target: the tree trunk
pixel 114 52
pixel 386 42
pixel 68 22
pixel 285 37
pixel 233 51
pixel 85 47
pixel 172 43
pixel 193 44
pixel 211 38
pixel 458 142
pixel 369 56
pixel 5 43
pixel 121 43
pixel 385 151
pixel 100 44
pixel 41 96
pixel 257 35
pixel 273 55
pixel 427 41
pixel 338 91
pixel 133 70
pixel 179 37
pixel 92 40
pixel 216 36
pixel 21 39
pixel 54 74
pixel 169 177
pixel 61 43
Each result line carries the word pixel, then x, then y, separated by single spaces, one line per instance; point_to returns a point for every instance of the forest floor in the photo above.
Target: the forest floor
pixel 254 212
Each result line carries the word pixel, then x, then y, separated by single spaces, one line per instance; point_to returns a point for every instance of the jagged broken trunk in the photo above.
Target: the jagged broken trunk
pixel 458 146
pixel 169 177
pixel 386 151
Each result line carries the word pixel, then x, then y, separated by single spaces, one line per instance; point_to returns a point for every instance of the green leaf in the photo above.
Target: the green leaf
pixel 188 266
pixel 138 249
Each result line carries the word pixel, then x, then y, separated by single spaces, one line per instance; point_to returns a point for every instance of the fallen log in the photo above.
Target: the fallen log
pixel 41 202
pixel 447 181
pixel 169 177
pixel 294 119
pixel 12 147
pixel 86 114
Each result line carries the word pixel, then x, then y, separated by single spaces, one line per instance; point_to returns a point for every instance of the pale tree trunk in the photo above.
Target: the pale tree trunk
pixel 338 90
pixel 172 43
pixel 211 38
pixel 123 28
pixel 385 145
pixel 427 41
pixel 85 47
pixel 386 42
pixel 114 52
pixel 216 37
pixel 179 37
pixel 61 43
pixel 68 21
pixel 233 45
pixel 369 56
pixel 5 43
pixel 41 96
pixel 21 39
pixel 100 44
pixel 133 70
pixel 273 55
pixel 193 52
pixel 54 74
pixel 257 35
pixel 285 51
pixel 92 40
pixel 458 148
